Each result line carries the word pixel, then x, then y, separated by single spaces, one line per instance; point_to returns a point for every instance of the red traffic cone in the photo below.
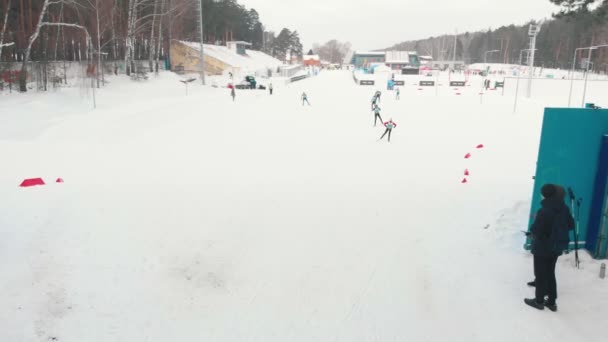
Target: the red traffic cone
pixel 467 156
pixel 464 180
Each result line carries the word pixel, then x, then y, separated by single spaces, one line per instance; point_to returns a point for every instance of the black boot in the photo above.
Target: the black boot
pixel 533 303
pixel 550 305
pixel 532 283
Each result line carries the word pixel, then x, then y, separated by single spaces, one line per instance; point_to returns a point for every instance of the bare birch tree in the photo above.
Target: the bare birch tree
pixel 4 26
pixel 41 23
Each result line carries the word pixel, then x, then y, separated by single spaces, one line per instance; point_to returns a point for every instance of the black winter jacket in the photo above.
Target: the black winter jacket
pixel 552 209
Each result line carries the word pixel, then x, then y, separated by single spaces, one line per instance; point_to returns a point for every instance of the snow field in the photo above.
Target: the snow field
pixel 196 218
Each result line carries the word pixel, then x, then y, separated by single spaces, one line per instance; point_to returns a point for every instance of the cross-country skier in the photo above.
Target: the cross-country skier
pixel 233 94
pixel 305 99
pixel 376 99
pixel 377 115
pixel 389 128
pixel 554 217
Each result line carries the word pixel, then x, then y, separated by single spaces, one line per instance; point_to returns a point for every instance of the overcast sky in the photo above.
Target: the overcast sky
pixel 375 24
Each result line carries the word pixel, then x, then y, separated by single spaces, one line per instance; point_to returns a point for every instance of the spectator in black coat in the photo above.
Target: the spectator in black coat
pixel 545 257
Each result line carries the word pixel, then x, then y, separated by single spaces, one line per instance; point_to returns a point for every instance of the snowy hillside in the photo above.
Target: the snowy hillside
pixel 196 218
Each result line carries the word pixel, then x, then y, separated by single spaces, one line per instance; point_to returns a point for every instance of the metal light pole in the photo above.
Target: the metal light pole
pixel 521 55
pixel 572 74
pixel 587 72
pixel 518 77
pixel 485 55
pixel 532 33
pixel 202 43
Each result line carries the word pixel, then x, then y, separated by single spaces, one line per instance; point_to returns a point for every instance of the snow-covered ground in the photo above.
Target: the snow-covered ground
pixel 193 218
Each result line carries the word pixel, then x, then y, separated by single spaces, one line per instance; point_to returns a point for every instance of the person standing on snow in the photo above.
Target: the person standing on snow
pixel 377 115
pixel 553 216
pixel 305 99
pixel 270 88
pixel 561 194
pixel 389 128
pixel 397 93
pixel 233 94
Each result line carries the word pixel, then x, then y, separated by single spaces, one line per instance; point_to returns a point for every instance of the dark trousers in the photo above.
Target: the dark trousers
pixel 376 117
pixel 546 285
pixel 305 101
pixel 388 130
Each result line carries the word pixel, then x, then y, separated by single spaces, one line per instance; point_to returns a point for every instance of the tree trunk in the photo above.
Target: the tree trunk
pixel 30 19
pixel 152 43
pixel 4 25
pixel 98 42
pixel 160 35
pixel 33 37
pixel 59 33
pixel 129 36
pixel 113 33
pixel 22 18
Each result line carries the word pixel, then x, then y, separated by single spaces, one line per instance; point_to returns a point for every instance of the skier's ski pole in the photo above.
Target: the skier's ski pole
pixel 578 216
pixel 572 199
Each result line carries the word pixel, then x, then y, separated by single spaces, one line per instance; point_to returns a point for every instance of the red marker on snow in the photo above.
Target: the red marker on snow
pixel 59 180
pixel 464 181
pixel 480 146
pixel 31 182
pixel 467 156
pixel 466 172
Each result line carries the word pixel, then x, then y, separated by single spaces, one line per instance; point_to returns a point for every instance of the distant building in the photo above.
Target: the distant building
pixel 365 59
pixel 444 65
pixel 426 60
pixel 395 60
pixel 400 60
pixel 311 60
pixel 238 47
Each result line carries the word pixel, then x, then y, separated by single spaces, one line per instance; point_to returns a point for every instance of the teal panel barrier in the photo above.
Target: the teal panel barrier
pixel 569 155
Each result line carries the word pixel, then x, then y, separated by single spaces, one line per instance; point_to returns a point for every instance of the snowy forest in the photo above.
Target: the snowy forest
pixel 134 32
pixel 577 25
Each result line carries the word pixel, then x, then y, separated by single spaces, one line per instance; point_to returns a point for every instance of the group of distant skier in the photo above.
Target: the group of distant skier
pixel 233 91
pixel 390 124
